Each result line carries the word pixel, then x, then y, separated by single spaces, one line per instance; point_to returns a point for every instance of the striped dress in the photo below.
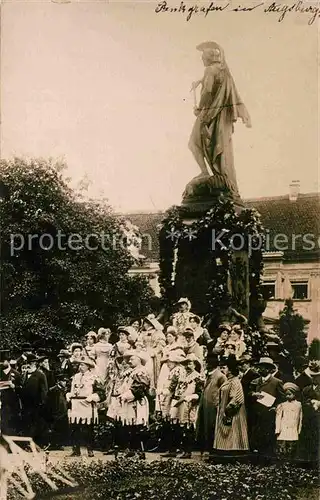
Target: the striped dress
pixel 231 424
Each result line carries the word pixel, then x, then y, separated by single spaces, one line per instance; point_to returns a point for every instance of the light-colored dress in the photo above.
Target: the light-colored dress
pixel 154 342
pixel 164 370
pixel 188 384
pixel 181 320
pixel 102 352
pixel 231 436
pixel 82 386
pixel 135 408
pixel 289 420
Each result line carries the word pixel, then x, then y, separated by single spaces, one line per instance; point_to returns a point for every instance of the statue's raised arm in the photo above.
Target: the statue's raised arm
pixel 219 107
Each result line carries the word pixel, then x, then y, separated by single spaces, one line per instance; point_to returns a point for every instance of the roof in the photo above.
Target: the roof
pixel 293 220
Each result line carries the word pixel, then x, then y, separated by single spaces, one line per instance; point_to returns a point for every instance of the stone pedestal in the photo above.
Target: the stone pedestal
pixel 200 261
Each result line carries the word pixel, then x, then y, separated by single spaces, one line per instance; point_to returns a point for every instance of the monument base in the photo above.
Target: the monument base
pixel 202 193
pixel 206 272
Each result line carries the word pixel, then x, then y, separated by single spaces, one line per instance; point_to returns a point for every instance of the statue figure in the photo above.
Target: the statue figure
pixel 219 107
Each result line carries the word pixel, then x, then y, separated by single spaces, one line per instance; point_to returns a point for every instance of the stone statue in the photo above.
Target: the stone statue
pixel 219 107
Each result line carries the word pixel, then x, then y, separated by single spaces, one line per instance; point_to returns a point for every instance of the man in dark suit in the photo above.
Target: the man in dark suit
pixel 208 404
pixel 265 393
pixel 34 393
pixel 10 402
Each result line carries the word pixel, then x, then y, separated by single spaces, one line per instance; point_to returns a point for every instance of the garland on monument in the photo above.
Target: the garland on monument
pixel 225 227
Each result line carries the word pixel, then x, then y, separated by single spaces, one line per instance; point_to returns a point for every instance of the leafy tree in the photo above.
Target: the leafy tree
pixel 54 287
pixel 292 333
pixel 314 349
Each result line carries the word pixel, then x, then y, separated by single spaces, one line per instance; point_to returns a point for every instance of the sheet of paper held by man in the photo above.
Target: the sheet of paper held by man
pixel 159 271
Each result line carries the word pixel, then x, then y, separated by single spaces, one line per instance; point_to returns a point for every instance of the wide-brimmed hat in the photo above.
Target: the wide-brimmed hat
pixel 76 345
pixel 230 361
pixel 102 331
pixel 140 354
pixel 91 334
pixel 86 361
pixel 129 330
pixel 44 353
pixel 224 327
pixel 290 386
pixel 176 356
pixel 192 357
pixel 64 353
pixel 245 358
pixel 188 332
pixel 237 329
pixel 184 300
pixel 172 330
pixel 196 318
pixel 154 322
pixel 29 357
pixel 266 361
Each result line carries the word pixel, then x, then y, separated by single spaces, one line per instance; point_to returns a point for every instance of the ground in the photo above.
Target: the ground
pixel 103 477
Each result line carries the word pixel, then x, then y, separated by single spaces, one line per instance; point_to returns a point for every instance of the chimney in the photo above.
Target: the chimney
pixel 294 190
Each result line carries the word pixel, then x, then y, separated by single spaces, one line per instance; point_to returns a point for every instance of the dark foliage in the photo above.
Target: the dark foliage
pixel 174 480
pixel 53 292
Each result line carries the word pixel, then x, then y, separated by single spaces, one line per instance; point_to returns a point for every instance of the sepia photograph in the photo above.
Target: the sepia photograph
pixel 159 250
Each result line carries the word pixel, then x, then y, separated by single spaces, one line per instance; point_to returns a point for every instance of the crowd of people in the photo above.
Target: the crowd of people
pixel 207 392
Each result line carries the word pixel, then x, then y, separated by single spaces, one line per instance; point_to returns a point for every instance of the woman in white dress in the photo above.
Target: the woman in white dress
pixel 90 345
pixel 102 351
pixel 171 345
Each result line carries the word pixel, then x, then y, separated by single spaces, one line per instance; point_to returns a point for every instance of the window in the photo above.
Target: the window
pixel 269 290
pixel 300 290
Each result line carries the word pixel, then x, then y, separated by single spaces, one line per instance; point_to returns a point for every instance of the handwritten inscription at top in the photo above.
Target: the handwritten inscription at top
pixel 299 7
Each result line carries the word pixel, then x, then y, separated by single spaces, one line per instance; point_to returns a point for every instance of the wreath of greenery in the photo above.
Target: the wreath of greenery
pixel 237 230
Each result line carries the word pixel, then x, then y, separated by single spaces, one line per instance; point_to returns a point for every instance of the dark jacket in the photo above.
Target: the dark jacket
pixel 303 380
pixel 272 386
pixel 246 382
pixel 10 403
pixel 34 390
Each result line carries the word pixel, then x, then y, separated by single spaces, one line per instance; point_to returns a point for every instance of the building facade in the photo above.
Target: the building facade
pixel 291 256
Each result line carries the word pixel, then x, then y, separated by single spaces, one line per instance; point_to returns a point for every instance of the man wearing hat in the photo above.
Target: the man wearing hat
pixel 85 393
pixel 312 371
pixel 309 442
pixel 10 402
pixel 266 392
pixel 209 403
pixel 34 393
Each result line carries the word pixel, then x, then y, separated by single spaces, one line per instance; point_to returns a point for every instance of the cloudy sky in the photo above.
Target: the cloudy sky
pixel 106 86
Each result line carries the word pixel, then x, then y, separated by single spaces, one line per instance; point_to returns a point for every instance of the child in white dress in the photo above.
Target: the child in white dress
pixel 288 422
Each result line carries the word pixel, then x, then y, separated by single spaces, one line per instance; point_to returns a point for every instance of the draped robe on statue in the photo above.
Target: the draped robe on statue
pixel 220 106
